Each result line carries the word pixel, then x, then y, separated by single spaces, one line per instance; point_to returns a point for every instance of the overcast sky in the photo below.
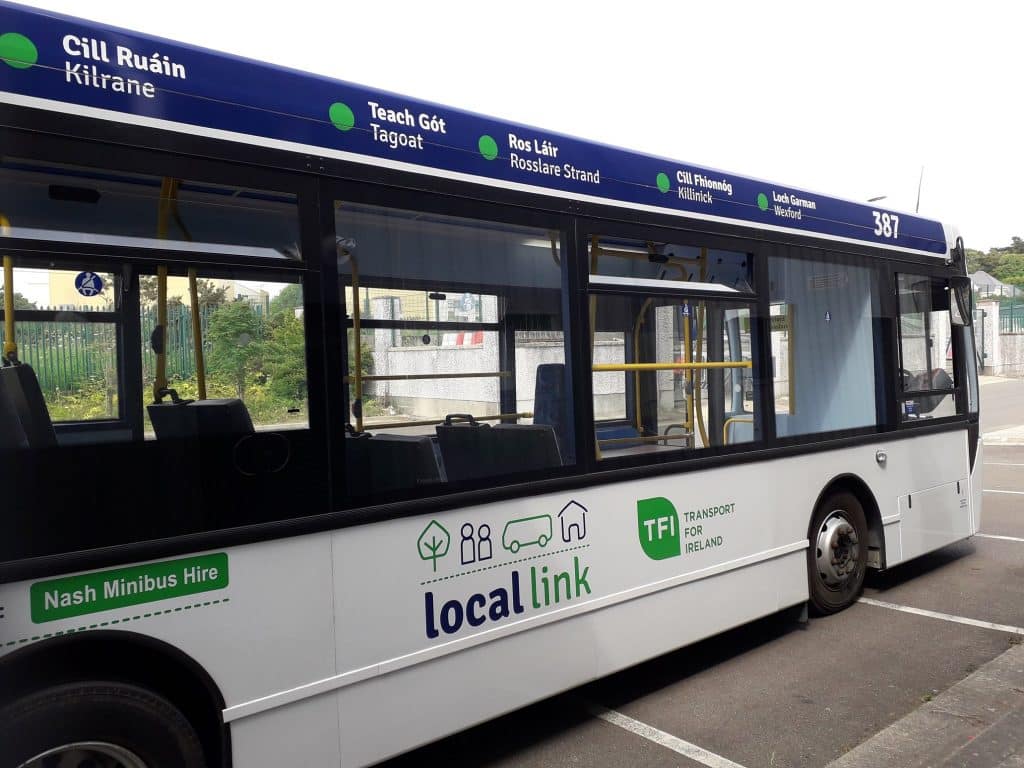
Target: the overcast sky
pixel 844 99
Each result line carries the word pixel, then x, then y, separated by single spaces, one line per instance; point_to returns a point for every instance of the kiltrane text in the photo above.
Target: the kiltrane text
pixel 544 589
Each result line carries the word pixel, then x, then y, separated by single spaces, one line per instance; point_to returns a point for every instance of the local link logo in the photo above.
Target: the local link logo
pixel 544 589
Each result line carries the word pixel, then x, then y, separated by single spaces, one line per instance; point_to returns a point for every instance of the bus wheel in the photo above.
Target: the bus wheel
pixel 837 555
pixel 100 724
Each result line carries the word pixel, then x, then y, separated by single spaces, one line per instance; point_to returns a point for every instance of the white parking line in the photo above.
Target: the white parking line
pixel 1013 493
pixel 994 536
pixel 943 616
pixel 1001 464
pixel 666 740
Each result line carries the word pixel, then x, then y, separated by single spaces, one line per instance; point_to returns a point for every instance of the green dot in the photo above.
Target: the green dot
pixel 762 201
pixel 18 51
pixel 342 116
pixel 663 182
pixel 488 147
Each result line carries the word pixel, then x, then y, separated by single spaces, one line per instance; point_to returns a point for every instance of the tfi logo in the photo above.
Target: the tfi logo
pixel 658 528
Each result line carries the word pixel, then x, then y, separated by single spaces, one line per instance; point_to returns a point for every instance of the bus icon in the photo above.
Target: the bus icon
pixel 526 531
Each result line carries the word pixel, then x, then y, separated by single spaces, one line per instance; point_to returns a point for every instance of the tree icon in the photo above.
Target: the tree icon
pixel 433 542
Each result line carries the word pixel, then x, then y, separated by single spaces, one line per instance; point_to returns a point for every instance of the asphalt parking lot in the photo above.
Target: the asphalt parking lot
pixel 926 670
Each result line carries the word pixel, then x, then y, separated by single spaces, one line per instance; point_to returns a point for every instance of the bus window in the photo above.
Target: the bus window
pixel 51 201
pixel 253 344
pixel 67 330
pixel 827 345
pixel 456 369
pixel 926 348
pixel 672 369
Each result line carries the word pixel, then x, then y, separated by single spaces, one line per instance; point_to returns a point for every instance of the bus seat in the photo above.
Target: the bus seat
pixel 382 463
pixel 739 431
pixel 200 418
pixel 617 432
pixel 401 461
pixel 24 412
pixel 528 446
pixel 473 451
pixel 549 403
pixel 12 434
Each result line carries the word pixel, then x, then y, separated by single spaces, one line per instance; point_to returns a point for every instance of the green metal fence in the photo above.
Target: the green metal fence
pixel 1011 316
pixel 70 354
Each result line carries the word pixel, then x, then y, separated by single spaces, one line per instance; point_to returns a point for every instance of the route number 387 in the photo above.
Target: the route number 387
pixel 886 224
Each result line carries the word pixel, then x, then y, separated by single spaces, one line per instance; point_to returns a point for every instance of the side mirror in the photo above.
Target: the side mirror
pixel 960 301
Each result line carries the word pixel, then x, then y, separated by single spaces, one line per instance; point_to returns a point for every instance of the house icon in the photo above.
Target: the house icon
pixel 574 521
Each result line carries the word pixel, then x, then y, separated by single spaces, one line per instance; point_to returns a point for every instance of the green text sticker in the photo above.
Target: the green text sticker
pixel 106 590
pixel 658 528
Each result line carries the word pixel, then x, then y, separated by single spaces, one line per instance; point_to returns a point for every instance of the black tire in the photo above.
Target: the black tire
pixel 134 719
pixel 829 593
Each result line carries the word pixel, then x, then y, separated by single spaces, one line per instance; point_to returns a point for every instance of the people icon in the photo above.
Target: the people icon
pixel 468 548
pixel 484 549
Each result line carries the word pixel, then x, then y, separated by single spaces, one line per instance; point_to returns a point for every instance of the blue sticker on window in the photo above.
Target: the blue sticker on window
pixel 89 284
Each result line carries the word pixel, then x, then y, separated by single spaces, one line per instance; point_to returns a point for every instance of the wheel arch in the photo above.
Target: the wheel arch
pixel 855 485
pixel 126 657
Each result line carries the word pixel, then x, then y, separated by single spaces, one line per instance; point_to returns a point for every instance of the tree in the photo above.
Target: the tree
pixel 210 294
pixel 979 260
pixel 287 301
pixel 147 292
pixel 233 335
pixel 1011 269
pixel 284 358
pixel 20 302
pixel 1016 246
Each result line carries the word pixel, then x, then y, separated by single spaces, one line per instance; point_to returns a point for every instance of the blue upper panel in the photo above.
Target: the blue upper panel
pixel 66 64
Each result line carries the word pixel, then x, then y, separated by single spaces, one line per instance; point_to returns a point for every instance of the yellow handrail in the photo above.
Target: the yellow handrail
pixel 357 341
pixel 601 367
pixel 10 345
pixel 429 422
pixel 637 328
pixel 160 380
pixel 701 330
pixel 428 376
pixel 168 187
pixel 197 334
pixel 642 439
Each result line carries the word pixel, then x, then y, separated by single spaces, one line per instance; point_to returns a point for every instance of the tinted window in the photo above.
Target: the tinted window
pixel 456 352
pixel 926 348
pixel 673 372
pixel 826 345
pixel 63 202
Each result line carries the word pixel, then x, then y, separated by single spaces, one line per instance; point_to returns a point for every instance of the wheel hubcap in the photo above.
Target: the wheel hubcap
pixel 94 754
pixel 837 550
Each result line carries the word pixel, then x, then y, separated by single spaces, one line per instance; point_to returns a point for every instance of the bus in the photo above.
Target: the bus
pixel 333 421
